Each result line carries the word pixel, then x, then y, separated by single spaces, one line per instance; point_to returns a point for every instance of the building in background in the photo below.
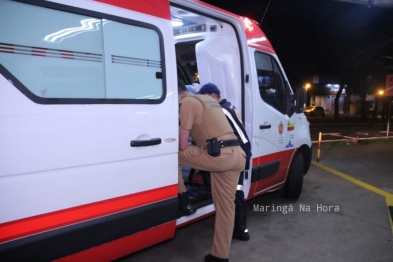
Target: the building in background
pixel 323 91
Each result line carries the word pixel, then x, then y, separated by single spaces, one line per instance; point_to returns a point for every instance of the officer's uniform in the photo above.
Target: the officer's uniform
pixel 203 116
pixel 233 117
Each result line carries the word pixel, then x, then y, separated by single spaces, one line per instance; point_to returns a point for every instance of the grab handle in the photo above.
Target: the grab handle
pixel 265 126
pixel 151 142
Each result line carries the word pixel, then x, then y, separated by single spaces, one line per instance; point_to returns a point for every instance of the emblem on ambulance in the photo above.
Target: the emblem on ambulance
pixel 291 126
pixel 280 128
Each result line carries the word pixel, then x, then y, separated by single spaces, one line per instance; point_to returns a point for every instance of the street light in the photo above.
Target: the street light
pixel 308 86
pixel 379 98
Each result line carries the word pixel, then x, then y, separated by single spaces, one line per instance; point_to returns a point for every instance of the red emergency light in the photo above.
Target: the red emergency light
pixel 248 24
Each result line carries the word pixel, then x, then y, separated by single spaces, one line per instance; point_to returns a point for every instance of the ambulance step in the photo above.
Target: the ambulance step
pixel 203 203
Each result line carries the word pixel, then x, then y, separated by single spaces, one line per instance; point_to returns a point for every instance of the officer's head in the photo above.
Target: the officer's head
pixel 211 90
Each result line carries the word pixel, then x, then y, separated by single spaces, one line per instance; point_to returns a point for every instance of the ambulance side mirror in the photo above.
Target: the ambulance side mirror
pixel 300 99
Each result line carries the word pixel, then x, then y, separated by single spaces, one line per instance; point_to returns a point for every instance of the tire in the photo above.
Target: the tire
pixel 294 184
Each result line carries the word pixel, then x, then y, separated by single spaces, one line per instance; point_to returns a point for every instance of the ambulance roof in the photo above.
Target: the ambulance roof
pixel 256 38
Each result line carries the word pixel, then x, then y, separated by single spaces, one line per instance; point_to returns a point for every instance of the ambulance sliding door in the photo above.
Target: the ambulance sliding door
pixel 88 128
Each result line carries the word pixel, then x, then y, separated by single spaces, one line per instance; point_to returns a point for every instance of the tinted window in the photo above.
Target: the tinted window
pixel 272 86
pixel 70 56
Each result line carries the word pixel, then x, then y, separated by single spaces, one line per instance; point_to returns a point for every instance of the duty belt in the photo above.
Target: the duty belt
pixel 228 143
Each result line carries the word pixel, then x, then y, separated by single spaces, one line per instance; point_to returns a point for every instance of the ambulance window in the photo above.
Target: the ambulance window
pixel 271 82
pixel 62 57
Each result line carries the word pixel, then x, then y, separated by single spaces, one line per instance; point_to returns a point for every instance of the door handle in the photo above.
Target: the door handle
pixel 265 126
pixel 151 142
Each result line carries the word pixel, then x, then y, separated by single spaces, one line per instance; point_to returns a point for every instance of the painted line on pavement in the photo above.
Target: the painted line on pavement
pixel 387 195
pixel 389 203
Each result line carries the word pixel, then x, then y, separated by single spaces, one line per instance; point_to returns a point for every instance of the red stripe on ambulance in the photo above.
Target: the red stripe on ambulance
pixel 37 224
pixel 159 8
pixel 274 182
pixel 124 246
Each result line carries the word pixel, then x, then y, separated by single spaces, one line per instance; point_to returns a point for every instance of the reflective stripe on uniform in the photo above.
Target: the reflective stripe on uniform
pixel 238 129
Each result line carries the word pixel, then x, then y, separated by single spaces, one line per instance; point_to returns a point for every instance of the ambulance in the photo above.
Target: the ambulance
pixel 89 120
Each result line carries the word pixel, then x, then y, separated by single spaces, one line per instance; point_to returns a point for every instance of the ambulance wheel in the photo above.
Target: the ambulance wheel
pixel 294 183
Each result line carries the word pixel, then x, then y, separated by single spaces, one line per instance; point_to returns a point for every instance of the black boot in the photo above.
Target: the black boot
pixel 211 258
pixel 186 208
pixel 240 230
pixel 243 236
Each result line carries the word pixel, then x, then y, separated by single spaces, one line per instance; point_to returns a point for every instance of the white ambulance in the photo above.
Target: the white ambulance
pixel 89 120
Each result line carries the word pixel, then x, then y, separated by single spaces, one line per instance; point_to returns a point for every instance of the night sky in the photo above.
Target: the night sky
pixel 323 37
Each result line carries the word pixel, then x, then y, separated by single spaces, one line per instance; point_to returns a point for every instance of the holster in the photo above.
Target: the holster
pixel 213 147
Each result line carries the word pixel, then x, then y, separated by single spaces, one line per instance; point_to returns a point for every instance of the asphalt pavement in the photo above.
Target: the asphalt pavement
pixel 342 215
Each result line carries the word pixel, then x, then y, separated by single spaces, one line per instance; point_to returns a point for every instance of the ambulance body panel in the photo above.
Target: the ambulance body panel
pixel 89 117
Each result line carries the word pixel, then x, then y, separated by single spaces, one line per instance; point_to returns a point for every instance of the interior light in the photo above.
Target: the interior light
pixel 177 22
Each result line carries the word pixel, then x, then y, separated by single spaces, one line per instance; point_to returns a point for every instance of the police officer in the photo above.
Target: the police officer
pixel 240 230
pixel 217 150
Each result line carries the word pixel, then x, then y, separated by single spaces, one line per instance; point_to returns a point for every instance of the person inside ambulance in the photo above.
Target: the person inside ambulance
pixel 218 151
pixel 240 230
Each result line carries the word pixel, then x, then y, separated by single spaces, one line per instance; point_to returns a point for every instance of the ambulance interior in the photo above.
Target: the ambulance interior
pixel 207 50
